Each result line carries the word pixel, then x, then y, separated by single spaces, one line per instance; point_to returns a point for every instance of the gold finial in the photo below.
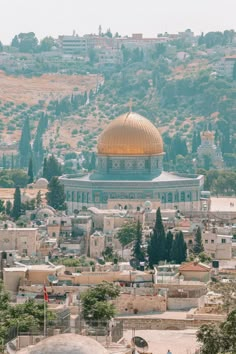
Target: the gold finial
pixel 130 105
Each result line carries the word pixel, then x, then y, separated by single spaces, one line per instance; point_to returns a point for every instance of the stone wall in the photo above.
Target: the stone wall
pixel 130 304
pixel 145 323
pixel 176 304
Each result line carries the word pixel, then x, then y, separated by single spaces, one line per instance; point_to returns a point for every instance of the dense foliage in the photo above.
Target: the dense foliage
pixel 95 304
pixel 55 195
pixel 219 339
pixel 25 317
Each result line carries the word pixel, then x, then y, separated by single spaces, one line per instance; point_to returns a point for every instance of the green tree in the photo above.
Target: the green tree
pixel 46 44
pixel 51 168
pixel 30 171
pixel 55 195
pixel 27 42
pixel 198 246
pixel 234 72
pixel 179 249
pixel 194 142
pixel 38 199
pixel 1 47
pixel 8 207
pixel 108 254
pixel 24 144
pixel 209 336
pixel 95 302
pixel 16 210
pixel 219 339
pixel 45 172
pixel 15 42
pixel 157 247
pixel 126 234
pixel 169 242
pixel 137 249
pixel 2 206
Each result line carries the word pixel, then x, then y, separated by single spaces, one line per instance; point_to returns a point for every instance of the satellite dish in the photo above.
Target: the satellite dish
pixel 140 344
pixel 134 263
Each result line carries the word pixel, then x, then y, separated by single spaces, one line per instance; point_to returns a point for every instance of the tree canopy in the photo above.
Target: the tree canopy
pixel 55 195
pixel 95 302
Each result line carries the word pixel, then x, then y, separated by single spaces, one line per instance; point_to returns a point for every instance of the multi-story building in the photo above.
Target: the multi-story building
pixel 24 240
pixel 217 246
pixel 74 45
pixel 225 66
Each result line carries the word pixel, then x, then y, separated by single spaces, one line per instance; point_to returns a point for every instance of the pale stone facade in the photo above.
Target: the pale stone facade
pixel 96 244
pixel 24 240
pixel 217 246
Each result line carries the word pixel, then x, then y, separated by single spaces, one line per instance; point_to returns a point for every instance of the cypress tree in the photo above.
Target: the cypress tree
pixel 137 250
pixel 45 168
pixel 199 140
pixel 157 247
pixel 53 168
pixel 38 199
pixel 169 242
pixel 8 207
pixel 12 161
pixel 4 161
pixel 179 249
pixel 24 145
pixel 198 246
pixel 194 143
pixel 30 171
pixel 55 195
pixel 16 210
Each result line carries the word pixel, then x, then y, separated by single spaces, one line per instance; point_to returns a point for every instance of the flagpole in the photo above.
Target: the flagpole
pixel 45 320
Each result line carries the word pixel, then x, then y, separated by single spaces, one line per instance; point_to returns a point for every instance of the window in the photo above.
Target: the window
pixel 223 240
pixel 54 234
pixel 212 241
pixel 170 198
pixel 182 197
pixel 206 241
pixel 147 164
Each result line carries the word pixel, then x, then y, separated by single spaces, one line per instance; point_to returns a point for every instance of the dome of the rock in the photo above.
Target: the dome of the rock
pixel 130 135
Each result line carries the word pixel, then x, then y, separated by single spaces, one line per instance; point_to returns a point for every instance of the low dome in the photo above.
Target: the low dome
pixel 45 212
pixel 41 183
pixel 130 135
pixel 66 344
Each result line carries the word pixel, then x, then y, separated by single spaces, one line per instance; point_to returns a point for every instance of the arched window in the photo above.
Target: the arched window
pixel 189 196
pixel 176 196
pixel 182 196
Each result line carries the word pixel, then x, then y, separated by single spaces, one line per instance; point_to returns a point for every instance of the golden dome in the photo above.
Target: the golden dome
pixel 130 134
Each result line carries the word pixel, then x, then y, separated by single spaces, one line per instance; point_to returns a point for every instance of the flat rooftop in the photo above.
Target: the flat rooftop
pixel 223 204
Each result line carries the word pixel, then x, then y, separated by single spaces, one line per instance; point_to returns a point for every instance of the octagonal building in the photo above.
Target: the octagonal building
pixel 129 168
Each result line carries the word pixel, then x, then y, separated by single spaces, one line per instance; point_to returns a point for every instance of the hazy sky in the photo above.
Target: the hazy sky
pixel 54 17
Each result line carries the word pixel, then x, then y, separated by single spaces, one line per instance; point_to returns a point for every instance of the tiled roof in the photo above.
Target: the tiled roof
pixel 194 267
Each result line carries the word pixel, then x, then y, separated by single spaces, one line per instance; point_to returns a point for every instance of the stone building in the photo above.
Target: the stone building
pixel 24 240
pixel 217 246
pixel 96 244
pixel 209 150
pixel 129 167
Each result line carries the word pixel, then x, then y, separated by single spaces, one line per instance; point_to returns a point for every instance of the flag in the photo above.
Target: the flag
pixel 45 294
